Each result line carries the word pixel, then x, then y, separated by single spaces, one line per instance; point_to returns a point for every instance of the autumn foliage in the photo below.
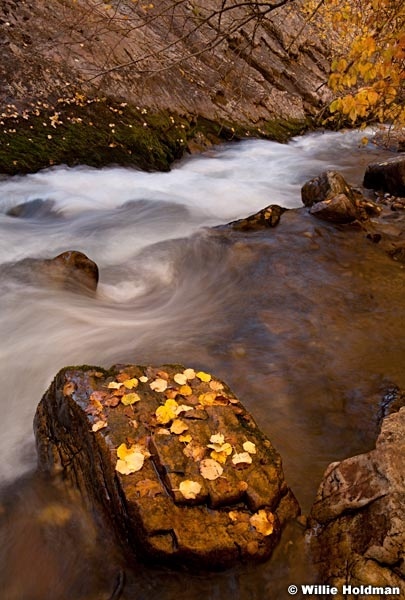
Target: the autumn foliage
pixel 367 40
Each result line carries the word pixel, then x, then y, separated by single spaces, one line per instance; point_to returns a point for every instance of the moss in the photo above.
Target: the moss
pixel 99 132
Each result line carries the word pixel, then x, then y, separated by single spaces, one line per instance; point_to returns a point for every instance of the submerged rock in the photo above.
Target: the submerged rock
pixel 358 531
pixel 388 176
pixel 177 466
pixel 71 270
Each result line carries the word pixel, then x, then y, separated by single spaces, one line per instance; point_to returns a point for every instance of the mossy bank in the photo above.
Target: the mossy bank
pixel 99 132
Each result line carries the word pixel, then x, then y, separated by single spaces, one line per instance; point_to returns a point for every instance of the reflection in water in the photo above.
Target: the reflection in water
pixel 301 321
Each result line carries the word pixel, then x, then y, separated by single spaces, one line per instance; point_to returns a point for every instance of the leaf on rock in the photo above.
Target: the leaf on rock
pixel 185 390
pixel 180 378
pixel 129 460
pixel 249 447
pixel 131 398
pixel 69 388
pixel 112 401
pixel 167 412
pixel 216 386
pixel 217 438
pixel 143 379
pixel 190 489
pixel 130 384
pixel 183 408
pixel 194 451
pixel 203 376
pixel 149 488
pixel 158 385
pixel 99 425
pixel 242 458
pixel 185 438
pixel 210 469
pixel 114 385
pixel 163 431
pixel 207 399
pixel 263 522
pixel 189 373
pixel 219 456
pixel 178 426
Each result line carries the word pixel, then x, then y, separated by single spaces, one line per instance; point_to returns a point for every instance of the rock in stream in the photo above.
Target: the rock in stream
pixel 172 460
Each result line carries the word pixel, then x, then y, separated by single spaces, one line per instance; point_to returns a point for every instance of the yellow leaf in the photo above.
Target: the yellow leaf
pixel 189 373
pixel 190 489
pixel 143 378
pixel 114 385
pixel 263 522
pixel 217 438
pixel 129 460
pixel 128 399
pixel 185 390
pixel 178 426
pixel 185 438
pixel 180 378
pixel 210 469
pixel 131 383
pixel 203 376
pixel 219 456
pixel 183 408
pixel 207 399
pixel 158 385
pixel 242 458
pixel 249 447
pixel 167 412
pixel 216 386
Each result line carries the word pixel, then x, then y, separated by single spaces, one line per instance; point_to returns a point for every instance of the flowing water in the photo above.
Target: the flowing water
pixel 173 290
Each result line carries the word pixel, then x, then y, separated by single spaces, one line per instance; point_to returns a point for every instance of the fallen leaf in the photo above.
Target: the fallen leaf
pixel 190 489
pixel 99 425
pixel 129 460
pixel 185 438
pixel 167 412
pixel 114 385
pixel 158 385
pixel 112 401
pixel 143 379
pixel 183 408
pixel 219 456
pixel 169 393
pixel 69 388
pixel 242 458
pixel 178 426
pixel 180 378
pixel 130 384
pixel 249 447
pixel 185 390
pixel 131 398
pixel 163 375
pixel 216 386
pixel 203 376
pixel 263 522
pixel 207 399
pixel 189 373
pixel 217 438
pixel 210 469
pixel 149 488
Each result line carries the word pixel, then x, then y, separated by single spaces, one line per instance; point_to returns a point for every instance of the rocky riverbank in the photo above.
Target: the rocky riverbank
pixel 67 96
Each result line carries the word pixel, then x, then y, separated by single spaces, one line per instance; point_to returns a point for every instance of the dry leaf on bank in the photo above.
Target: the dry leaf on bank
pixel 190 489
pixel 263 522
pixel 210 469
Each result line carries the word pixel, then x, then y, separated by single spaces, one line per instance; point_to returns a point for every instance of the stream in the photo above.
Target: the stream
pixel 305 346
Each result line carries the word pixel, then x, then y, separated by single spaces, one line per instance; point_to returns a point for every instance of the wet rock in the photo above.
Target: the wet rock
pixel 357 531
pixel 71 270
pixel 267 217
pixel 391 139
pixel 327 185
pixel 191 499
pixel 388 176
pixel 331 198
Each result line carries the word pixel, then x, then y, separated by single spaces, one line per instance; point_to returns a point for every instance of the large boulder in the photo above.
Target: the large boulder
pixel 170 457
pixel 387 176
pixel 325 186
pixel 358 519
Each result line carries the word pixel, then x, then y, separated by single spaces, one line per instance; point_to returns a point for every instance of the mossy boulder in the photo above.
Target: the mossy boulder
pixel 170 457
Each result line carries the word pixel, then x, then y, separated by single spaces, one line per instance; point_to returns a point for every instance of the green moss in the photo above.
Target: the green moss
pixel 100 132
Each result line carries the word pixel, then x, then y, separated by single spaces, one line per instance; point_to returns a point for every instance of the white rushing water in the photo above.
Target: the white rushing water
pixel 163 286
